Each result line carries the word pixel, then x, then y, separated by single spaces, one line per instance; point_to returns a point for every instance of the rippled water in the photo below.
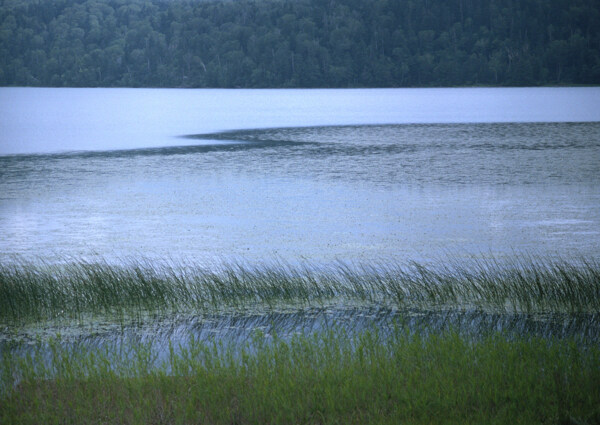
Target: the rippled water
pixel 357 193
pixel 420 155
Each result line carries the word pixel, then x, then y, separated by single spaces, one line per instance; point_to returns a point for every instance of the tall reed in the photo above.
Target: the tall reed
pixel 39 290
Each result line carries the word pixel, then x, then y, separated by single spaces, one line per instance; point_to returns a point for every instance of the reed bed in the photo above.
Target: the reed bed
pixel 326 378
pixel 39 290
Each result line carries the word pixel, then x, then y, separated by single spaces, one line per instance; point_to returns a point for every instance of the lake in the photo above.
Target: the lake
pixel 299 175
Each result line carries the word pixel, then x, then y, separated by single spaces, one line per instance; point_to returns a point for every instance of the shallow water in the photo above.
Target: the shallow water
pixel 163 334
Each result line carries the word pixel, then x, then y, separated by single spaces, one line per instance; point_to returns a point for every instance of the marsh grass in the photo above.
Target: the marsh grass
pixel 38 290
pixel 327 377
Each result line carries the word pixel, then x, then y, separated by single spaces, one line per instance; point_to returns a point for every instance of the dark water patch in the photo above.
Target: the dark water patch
pixel 218 145
pixel 506 135
pixel 440 153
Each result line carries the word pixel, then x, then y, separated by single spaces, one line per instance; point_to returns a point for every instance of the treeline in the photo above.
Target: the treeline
pixel 299 43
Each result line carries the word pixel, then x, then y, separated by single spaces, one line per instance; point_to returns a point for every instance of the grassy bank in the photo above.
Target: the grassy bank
pixel 332 377
pixel 31 291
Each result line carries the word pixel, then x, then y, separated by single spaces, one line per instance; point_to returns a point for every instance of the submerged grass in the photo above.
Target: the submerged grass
pixel 325 378
pixel 38 290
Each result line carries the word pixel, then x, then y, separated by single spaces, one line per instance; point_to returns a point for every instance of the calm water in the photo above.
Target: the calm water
pixel 357 175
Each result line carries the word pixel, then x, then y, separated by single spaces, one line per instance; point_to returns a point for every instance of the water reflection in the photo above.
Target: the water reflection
pixel 162 333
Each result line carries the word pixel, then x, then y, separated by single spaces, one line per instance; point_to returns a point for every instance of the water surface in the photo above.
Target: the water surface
pixel 356 175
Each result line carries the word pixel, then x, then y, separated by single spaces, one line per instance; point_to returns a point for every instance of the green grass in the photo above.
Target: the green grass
pixel 327 378
pixel 38 290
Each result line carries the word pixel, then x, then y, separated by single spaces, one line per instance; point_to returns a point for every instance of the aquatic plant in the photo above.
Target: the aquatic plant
pixel 40 290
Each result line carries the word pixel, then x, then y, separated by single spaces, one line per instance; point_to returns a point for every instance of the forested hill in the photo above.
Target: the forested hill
pixel 299 43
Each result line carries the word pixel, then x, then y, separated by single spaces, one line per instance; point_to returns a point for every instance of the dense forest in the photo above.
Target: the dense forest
pixel 299 43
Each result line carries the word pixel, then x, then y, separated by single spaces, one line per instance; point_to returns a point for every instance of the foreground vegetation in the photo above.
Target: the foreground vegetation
pixel 402 373
pixel 332 377
pixel 33 291
pixel 298 43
